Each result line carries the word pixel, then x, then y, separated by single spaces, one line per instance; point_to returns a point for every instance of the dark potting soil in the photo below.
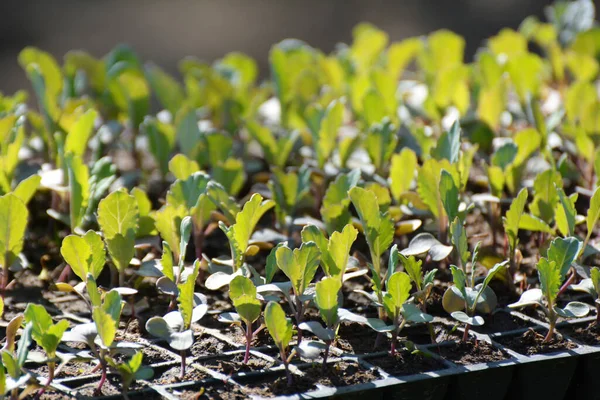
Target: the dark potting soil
pixel 171 374
pixel 207 345
pixel 230 365
pixel 501 322
pixel 471 352
pixel 359 339
pixel 406 363
pixel 585 333
pixel 531 343
pixel 112 386
pixel 341 373
pixel 419 334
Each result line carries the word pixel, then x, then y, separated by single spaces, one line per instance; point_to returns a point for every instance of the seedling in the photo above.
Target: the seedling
pixel 551 273
pixel 12 373
pixel 47 335
pixel 175 327
pixel 131 370
pixel 398 288
pixel 327 300
pixel 379 232
pixel 242 293
pixel 465 298
pixel 118 218
pixel 280 328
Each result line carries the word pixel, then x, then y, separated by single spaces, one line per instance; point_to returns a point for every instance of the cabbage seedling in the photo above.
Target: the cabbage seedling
pixel 397 293
pixel 463 299
pixel 551 277
pixel 130 371
pixel 46 334
pixel 12 374
pixel 327 300
pixel 242 293
pixel 280 329
pixel 175 327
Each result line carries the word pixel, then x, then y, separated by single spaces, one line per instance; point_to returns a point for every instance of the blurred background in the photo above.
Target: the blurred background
pixel 166 31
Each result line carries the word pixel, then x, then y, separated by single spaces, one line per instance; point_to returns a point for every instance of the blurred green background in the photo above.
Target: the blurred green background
pixel 165 31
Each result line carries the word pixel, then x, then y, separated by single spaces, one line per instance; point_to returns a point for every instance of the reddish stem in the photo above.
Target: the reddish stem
pixel 182 354
pixel 98 390
pixel 466 333
pixel 566 284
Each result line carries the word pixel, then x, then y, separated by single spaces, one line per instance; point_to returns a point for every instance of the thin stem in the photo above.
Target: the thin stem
pixel 466 333
pixel 597 313
pixel 182 374
pixel 51 366
pixel 98 390
pixel 299 316
pixel 552 317
pixel 569 281
pixel 198 232
pixel 248 342
pixel 285 364
pixel 431 332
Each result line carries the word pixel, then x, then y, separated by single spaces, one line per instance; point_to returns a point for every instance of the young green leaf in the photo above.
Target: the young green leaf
pixel 448 146
pixel 278 325
pixel 13 221
pixel 564 251
pixel 550 279
pixel 186 296
pixel 79 189
pixel 45 333
pixel 449 195
pixel 334 209
pixel 565 213
pixel 402 172
pixel 326 299
pixel 593 213
pixel 118 218
pixel 377 227
pixel 513 216
pixel 339 250
pixel 245 222
pixel 299 265
pixel 79 133
pixel 412 266
pixel 398 287
pixel 27 188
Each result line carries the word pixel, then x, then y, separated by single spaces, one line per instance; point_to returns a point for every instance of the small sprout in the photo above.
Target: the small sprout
pixel 46 334
pixel 398 291
pixel 242 293
pixel 175 327
pixel 300 266
pixel 280 328
pixel 327 300
pixel 551 277
pixel 378 229
pixel 463 299
pixel 118 218
pixel 131 370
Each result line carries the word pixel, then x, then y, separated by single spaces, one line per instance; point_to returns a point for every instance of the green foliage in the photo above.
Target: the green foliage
pixel 278 325
pixel 245 222
pixel 299 265
pixel 118 218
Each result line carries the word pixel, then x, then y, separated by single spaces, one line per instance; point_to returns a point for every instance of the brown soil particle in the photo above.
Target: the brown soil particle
pixel 207 345
pixel 171 375
pixel 471 352
pixel 586 334
pixel 234 364
pixel 531 343
pixel 407 363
